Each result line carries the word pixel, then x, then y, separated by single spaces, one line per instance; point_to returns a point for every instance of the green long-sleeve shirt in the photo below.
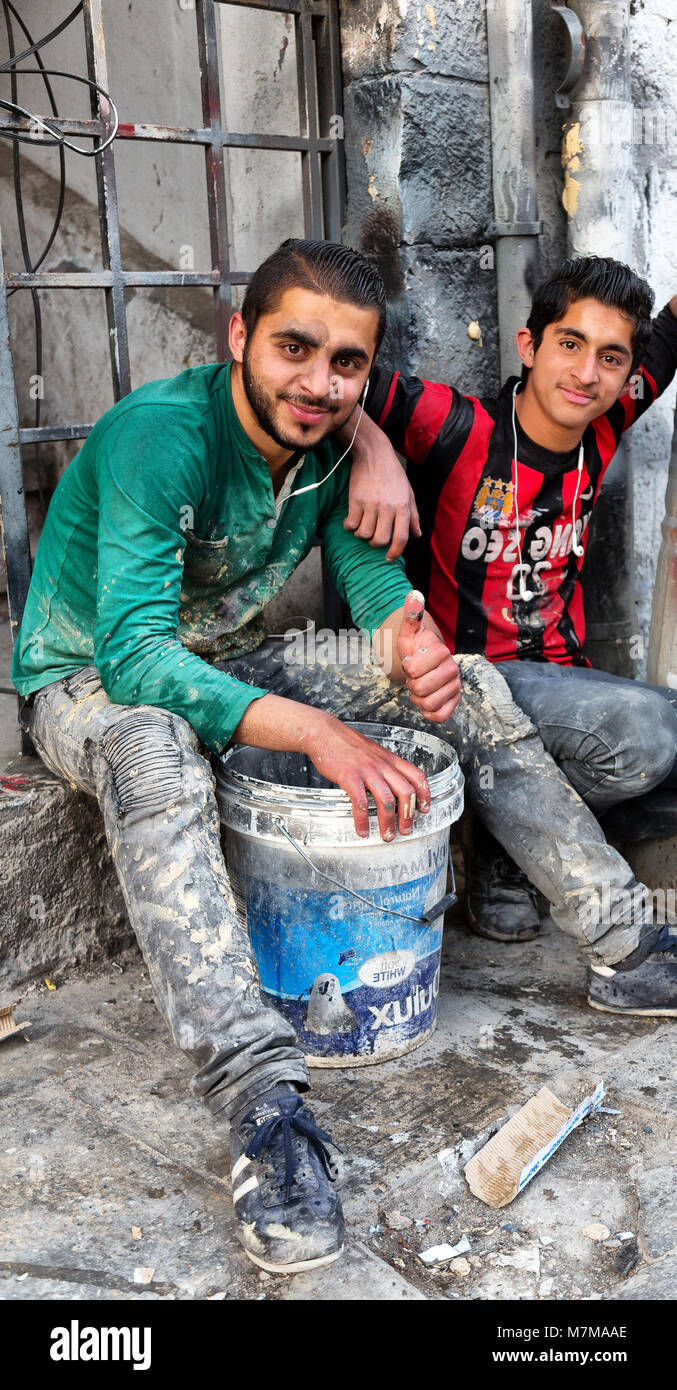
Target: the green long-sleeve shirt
pixel 161 546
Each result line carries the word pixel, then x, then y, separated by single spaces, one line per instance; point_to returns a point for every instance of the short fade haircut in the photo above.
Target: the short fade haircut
pixel 324 267
pixel 594 277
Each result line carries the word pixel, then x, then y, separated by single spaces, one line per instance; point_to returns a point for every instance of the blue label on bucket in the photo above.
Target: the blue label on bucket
pixel 349 979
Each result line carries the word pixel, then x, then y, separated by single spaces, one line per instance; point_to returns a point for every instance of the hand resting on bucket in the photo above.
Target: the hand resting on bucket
pixel 351 760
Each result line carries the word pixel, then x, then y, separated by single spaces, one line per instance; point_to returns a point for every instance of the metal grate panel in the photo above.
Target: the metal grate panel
pixel 319 91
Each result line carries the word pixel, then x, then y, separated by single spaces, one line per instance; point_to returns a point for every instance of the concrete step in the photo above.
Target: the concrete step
pixel 60 900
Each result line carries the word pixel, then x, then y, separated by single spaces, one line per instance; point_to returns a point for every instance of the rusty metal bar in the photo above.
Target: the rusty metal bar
pixel 108 207
pixel 107 279
pixel 307 97
pixel 216 178
pixel 330 111
pixel 13 521
pixel 181 135
pixel 47 434
pixel 282 6
pixel 224 139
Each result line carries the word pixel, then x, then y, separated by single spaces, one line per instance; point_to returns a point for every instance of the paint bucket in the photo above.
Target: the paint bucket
pixel 347 932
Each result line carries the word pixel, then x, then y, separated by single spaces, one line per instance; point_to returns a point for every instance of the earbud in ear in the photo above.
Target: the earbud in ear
pixel 366 388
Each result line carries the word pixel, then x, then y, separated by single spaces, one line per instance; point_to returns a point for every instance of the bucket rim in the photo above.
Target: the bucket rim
pixel 257 790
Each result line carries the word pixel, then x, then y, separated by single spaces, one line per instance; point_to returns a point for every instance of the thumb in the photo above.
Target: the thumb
pixel 414 608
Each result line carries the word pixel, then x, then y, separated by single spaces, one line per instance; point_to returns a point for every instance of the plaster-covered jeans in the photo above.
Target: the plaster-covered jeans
pixel 153 780
pixel 611 736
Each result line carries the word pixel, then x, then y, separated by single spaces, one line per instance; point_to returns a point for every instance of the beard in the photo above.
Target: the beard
pixel 264 407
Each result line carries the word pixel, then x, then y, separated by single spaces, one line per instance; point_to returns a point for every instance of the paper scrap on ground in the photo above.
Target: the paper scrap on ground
pixel 8 1023
pixel 596 1231
pixel 439 1254
pixel 520 1149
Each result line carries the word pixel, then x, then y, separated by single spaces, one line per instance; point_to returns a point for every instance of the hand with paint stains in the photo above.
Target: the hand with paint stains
pixel 355 763
pixel 359 765
pixel 429 669
pixel 382 506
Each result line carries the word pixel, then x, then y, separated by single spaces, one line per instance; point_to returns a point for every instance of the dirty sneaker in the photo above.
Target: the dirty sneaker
pixel 500 902
pixel 650 989
pixel 289 1219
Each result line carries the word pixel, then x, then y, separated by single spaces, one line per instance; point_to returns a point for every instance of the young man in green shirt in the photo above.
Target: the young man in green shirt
pixel 142 650
pixel 165 538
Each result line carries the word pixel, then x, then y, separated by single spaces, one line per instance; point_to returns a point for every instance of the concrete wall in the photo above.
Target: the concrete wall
pixel 419 177
pixel 419 194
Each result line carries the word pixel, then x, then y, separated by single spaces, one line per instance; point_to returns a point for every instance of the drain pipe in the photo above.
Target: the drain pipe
pixel 513 161
pixel 597 197
pixel 662 663
pixel 655 861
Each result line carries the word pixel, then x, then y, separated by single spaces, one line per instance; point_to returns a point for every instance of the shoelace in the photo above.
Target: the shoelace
pixel 504 870
pixel 303 1122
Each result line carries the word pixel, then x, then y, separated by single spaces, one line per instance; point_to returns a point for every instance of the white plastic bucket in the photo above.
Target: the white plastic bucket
pixel 357 979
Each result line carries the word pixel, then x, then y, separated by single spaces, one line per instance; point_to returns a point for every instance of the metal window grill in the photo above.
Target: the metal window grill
pixel 319 98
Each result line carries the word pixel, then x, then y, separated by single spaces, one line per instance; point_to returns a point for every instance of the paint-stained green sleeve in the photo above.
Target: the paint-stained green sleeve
pixel 372 586
pixel 152 475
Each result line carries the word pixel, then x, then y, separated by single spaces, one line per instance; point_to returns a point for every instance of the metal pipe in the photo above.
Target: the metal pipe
pixel 662 662
pixel 513 161
pixel 597 197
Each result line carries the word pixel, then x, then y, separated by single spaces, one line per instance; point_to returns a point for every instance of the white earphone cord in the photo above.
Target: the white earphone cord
pixel 524 593
pixel 311 486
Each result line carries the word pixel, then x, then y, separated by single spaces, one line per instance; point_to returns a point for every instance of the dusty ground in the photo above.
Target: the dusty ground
pixel 108 1166
pixel 99 1135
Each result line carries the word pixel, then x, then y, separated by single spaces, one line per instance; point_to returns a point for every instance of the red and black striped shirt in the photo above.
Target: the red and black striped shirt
pixel 460 452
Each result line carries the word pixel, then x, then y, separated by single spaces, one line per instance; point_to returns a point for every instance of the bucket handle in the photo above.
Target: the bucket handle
pixel 437 910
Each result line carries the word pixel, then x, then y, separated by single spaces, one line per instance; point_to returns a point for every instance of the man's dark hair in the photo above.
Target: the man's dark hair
pixel 324 267
pixel 594 277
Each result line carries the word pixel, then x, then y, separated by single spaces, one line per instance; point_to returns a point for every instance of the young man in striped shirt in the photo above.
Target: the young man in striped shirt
pixel 505 489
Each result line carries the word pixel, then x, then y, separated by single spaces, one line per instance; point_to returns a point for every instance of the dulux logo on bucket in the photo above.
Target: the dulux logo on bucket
pixel 387 969
pixel 418 1001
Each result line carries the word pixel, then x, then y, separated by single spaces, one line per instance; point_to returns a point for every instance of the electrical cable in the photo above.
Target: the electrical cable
pixel 8 6
pixel 310 487
pixel 526 594
pixel 60 139
pixel 4 67
pixel 25 251
pixel 11 67
pixel 56 140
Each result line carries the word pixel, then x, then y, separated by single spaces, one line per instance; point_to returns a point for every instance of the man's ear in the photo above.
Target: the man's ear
pixel 525 346
pixel 237 336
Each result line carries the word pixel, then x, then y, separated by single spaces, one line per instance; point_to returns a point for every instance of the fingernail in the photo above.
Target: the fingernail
pixel 389 835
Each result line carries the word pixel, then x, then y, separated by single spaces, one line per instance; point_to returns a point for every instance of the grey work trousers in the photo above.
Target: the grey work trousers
pixel 154 783
pixel 613 737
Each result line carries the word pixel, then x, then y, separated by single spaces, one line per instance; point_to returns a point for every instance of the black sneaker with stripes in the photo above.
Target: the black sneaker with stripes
pixel 289 1216
pixel 650 989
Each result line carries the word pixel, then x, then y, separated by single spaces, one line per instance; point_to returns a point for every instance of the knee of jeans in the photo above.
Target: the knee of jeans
pixel 144 750
pixel 656 727
pixel 642 743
